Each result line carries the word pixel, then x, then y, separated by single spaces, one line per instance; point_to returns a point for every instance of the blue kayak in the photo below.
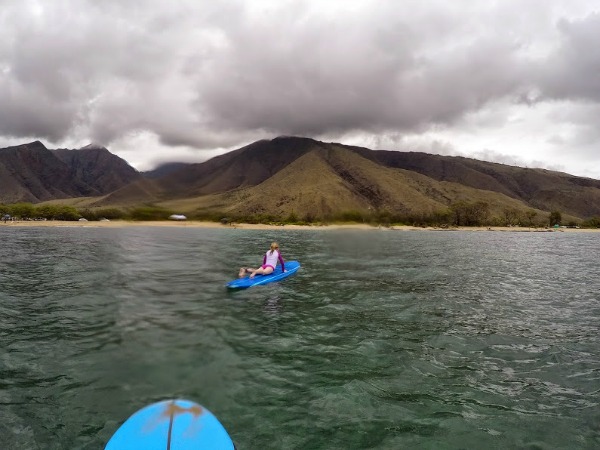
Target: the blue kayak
pixel 171 424
pixel 291 267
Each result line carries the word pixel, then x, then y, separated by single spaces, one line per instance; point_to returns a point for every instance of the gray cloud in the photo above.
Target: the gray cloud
pixel 210 75
pixel 572 71
pixel 382 72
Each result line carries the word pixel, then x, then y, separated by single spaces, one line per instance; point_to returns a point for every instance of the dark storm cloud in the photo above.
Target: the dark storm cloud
pixel 64 64
pixel 28 112
pixel 214 74
pixel 375 72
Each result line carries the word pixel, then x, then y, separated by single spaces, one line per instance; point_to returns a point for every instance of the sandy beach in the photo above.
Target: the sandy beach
pixel 249 226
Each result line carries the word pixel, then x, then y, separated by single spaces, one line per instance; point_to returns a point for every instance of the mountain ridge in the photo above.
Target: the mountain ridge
pixel 33 173
pixel 300 177
pixel 338 182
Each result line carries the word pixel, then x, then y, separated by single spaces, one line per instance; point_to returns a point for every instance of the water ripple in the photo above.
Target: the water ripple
pixel 382 340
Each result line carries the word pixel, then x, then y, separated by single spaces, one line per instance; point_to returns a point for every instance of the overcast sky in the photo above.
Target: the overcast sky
pixel 513 81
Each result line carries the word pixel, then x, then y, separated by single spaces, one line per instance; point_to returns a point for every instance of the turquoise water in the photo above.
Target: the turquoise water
pixel 384 339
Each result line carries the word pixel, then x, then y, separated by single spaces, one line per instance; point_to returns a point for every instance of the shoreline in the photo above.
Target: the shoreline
pixel 249 226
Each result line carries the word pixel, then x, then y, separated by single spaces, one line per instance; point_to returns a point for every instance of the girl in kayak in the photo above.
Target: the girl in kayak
pixel 269 263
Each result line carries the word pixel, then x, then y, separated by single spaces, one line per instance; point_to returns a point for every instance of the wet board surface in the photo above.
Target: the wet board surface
pixel 291 268
pixel 171 425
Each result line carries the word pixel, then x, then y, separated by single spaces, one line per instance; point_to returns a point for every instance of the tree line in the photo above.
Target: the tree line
pixel 28 211
pixel 460 213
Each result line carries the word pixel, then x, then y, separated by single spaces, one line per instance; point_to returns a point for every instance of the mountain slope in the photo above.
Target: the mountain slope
pixel 164 170
pixel 142 191
pixel 539 188
pixel 247 166
pixel 530 188
pixel 299 176
pixel 32 173
pixel 98 168
pixel 331 180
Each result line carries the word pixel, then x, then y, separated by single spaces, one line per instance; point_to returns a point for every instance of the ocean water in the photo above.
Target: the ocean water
pixel 383 340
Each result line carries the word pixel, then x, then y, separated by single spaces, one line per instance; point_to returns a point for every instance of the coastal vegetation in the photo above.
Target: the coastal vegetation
pixel 459 214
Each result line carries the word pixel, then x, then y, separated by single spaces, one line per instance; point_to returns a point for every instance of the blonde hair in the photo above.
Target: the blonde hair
pixel 274 246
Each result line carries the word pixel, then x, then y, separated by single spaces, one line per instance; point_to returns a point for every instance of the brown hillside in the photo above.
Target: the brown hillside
pixel 140 192
pixel 248 166
pixel 98 168
pixel 539 188
pixel 331 180
pixel 32 173
pixel 299 176
pixel 303 187
pixel 245 167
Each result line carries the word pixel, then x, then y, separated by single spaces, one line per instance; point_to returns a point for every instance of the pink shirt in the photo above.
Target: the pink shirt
pixel 271 258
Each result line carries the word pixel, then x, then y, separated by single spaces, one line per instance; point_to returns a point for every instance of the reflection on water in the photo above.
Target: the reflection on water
pixel 383 339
